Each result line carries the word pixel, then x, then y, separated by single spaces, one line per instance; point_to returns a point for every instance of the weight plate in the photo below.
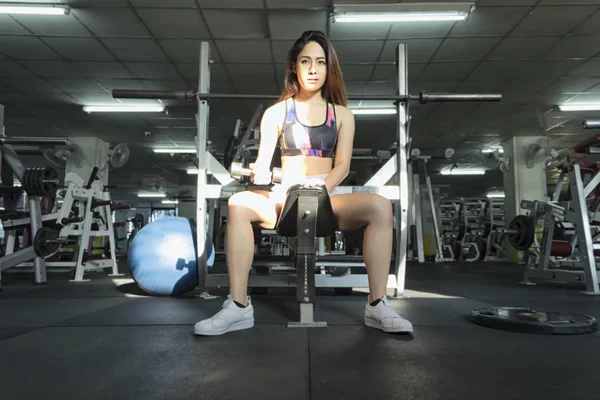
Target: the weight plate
pixel 527 320
pixel 38 181
pixel 49 179
pixel 41 244
pixel 524 232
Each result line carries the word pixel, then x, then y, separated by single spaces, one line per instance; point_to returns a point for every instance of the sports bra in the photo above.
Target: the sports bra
pixel 299 139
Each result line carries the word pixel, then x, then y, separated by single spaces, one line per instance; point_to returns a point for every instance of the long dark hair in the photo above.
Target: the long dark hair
pixel 333 89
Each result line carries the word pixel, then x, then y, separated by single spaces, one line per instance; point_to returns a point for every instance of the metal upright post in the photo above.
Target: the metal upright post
pixel 401 219
pixel 202 127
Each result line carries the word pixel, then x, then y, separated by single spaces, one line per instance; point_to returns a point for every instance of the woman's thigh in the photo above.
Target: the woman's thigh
pixel 261 207
pixel 358 209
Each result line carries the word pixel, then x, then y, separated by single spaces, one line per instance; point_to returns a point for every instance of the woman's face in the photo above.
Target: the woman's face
pixel 311 67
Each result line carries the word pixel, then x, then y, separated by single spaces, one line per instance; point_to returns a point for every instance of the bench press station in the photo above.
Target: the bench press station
pixel 394 171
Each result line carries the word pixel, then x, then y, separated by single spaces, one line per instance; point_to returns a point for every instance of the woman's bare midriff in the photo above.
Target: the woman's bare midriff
pixel 296 166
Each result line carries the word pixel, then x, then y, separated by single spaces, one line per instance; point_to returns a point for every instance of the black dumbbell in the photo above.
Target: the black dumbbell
pixel 236 170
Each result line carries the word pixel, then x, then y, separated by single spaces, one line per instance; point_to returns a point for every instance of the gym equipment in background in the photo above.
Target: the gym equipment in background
pixel 163 257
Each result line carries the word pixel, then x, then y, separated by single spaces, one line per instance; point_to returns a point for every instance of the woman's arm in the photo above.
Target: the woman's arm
pixel 269 132
pixel 343 152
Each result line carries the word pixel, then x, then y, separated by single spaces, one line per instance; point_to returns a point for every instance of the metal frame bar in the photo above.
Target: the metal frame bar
pixel 401 220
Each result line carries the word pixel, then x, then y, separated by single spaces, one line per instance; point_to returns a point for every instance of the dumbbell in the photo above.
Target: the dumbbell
pixel 236 170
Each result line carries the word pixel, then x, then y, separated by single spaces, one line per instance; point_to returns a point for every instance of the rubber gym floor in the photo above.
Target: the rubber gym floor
pixel 105 340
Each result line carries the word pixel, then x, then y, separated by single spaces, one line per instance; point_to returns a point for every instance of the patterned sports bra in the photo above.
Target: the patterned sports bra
pixel 299 139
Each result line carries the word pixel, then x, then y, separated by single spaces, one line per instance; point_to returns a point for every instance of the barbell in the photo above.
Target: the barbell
pixel 237 170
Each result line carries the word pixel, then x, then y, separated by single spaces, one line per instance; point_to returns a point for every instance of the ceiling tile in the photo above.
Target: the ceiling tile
pixel 382 88
pixel 125 84
pixel 418 50
pixel 251 72
pixel 576 47
pixel 590 27
pixel 573 85
pixel 175 23
pixel 231 3
pixel 281 49
pixel 291 24
pixel 97 3
pixel 78 48
pixel 357 72
pixel 171 85
pixel 553 20
pixel 164 4
pixel 52 68
pixel 496 21
pixel 77 85
pixel 522 48
pixel 437 85
pixel 296 4
pixel 33 85
pixel 355 88
pixel 551 68
pixel 590 68
pixel 256 87
pixel 389 72
pixel 191 71
pixel 186 50
pixel 367 30
pixel 234 24
pixel 256 51
pixel 101 69
pixel 499 69
pixel 23 47
pixel 459 70
pixel 146 70
pixel 481 86
pixel 9 69
pixel 6 88
pixel 64 25
pixel 358 51
pixel 10 26
pixel 527 85
pixel 95 99
pixel 112 22
pixel 415 30
pixel 465 49
pixel 135 49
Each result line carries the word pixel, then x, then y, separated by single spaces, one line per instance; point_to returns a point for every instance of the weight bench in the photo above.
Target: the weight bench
pixel 306 215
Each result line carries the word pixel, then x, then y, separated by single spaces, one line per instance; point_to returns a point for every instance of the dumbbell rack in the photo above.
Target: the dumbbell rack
pixel 449 217
pixel 471 215
pixel 493 224
pixel 81 229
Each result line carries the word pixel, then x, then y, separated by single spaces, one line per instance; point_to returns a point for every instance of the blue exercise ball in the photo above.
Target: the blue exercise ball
pixel 162 257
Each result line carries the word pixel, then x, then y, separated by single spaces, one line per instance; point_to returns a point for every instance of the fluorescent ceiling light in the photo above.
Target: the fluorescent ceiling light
pixel 498 195
pixel 579 107
pixel 373 111
pixel 458 171
pixel 169 202
pixel 157 195
pixel 192 171
pixel 33 9
pixel 404 12
pixel 123 108
pixel 492 149
pixel 175 150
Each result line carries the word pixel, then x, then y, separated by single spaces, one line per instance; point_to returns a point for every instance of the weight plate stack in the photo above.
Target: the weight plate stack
pixel 40 181
pixel 522 232
pixel 42 244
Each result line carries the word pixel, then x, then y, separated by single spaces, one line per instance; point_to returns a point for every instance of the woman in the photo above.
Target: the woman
pixel 313 152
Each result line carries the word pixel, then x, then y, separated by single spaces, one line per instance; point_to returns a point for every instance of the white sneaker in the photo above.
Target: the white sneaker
pixel 383 317
pixel 230 318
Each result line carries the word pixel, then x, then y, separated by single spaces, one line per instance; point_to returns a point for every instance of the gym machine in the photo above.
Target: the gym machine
pixel 471 216
pixel 86 211
pixel 579 253
pixel 398 193
pixel 417 170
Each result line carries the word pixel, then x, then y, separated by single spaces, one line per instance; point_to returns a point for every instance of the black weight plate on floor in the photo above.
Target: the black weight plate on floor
pixel 527 320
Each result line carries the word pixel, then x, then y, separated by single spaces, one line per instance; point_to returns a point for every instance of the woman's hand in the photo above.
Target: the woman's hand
pixel 260 176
